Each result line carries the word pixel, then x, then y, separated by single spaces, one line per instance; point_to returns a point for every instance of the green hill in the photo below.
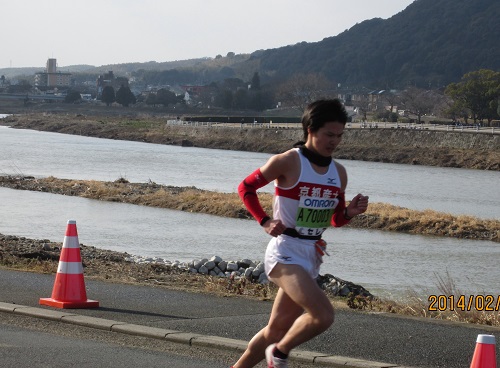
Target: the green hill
pixel 429 44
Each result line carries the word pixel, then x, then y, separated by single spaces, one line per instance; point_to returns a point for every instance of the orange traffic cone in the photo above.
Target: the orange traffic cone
pixel 484 354
pixel 69 287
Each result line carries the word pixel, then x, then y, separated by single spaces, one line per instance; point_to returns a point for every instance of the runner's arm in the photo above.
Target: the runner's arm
pixel 247 191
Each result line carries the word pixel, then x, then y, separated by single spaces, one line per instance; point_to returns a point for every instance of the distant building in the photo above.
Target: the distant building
pixel 194 90
pixel 109 79
pixel 51 78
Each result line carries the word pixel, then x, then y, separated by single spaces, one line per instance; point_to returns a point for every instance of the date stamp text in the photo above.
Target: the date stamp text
pixel 486 303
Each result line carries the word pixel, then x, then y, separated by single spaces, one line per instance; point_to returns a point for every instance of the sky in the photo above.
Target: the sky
pixel 103 32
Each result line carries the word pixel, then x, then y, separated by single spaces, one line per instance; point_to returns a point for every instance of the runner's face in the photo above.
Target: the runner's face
pixel 326 139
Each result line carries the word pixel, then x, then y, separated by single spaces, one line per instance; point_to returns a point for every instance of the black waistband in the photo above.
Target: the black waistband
pixel 294 234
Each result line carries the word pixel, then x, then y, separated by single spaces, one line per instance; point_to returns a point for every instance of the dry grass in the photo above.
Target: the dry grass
pixel 447 305
pixel 384 216
pixel 414 305
pixel 241 287
pixel 380 216
pixel 29 265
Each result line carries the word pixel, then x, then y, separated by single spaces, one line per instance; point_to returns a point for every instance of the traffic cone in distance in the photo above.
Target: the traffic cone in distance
pixel 484 354
pixel 69 286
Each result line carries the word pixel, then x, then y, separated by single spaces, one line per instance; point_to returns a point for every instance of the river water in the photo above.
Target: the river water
pixel 384 263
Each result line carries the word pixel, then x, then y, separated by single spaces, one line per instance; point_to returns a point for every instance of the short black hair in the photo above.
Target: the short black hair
pixel 320 112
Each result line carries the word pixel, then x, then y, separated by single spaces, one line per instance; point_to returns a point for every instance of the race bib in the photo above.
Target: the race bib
pixel 314 214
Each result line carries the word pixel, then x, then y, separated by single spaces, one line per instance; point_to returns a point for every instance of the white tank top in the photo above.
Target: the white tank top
pixel 308 205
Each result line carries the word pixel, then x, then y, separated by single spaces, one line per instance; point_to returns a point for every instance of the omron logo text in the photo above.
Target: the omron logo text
pixel 319 203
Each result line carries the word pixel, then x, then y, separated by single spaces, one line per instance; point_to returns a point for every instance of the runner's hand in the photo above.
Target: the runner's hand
pixel 358 205
pixel 274 227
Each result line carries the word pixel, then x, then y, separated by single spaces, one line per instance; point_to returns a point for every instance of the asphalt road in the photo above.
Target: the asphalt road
pixel 26 342
pixel 370 337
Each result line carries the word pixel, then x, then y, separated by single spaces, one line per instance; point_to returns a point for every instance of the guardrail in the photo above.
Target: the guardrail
pixel 366 125
pixel 442 127
pixel 210 124
pixel 17 96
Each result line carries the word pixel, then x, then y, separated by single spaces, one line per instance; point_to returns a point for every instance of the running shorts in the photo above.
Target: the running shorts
pixel 289 250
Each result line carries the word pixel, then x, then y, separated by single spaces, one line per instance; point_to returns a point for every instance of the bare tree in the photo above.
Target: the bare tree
pixel 390 99
pixel 418 101
pixel 362 104
pixel 302 89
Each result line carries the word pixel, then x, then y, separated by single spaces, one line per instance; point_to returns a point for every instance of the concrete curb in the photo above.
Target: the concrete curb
pixel 188 338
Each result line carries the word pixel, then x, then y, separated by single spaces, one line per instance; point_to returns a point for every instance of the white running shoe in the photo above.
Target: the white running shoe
pixel 272 361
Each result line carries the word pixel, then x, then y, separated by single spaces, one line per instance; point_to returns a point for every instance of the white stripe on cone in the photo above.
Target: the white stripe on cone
pixel 73 268
pixel 71 242
pixel 486 339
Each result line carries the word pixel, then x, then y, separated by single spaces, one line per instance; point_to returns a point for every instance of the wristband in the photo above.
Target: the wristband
pixel 264 220
pixel 347 217
pixel 339 216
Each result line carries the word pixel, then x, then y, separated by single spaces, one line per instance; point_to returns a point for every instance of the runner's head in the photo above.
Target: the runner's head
pixel 320 112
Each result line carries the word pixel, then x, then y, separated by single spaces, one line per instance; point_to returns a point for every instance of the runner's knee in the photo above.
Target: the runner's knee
pixel 279 327
pixel 330 318
pixel 325 317
pixel 275 335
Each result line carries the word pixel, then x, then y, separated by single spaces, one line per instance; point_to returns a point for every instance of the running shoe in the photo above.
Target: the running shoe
pixel 272 361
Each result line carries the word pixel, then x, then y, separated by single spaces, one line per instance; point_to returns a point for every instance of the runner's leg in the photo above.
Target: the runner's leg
pixel 302 290
pixel 283 315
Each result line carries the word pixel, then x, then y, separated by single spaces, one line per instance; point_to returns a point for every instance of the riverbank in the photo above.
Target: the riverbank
pixel 42 256
pixel 403 146
pixel 380 216
pixel 159 277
